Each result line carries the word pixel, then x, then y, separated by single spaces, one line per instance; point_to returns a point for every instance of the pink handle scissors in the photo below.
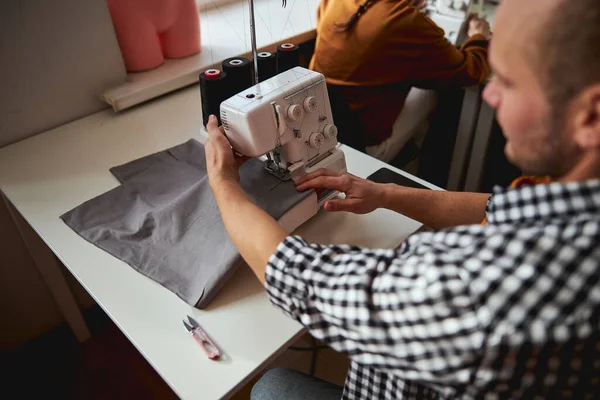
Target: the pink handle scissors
pixel 202 338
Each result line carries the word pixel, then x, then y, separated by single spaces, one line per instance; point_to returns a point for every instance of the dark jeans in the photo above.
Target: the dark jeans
pixel 280 383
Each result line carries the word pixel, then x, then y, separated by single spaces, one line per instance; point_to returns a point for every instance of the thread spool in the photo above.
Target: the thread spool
pixel 288 57
pixel 239 72
pixel 214 88
pixel 267 65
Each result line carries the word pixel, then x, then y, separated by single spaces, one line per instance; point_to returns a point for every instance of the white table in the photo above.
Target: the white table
pixel 51 173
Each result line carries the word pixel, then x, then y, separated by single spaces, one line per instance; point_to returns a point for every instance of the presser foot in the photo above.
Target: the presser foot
pixel 276 170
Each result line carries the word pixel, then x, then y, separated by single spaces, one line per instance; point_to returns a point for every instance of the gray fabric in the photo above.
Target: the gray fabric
pixel 288 384
pixel 164 222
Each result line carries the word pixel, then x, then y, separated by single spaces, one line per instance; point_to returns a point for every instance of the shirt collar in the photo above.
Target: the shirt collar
pixel 543 201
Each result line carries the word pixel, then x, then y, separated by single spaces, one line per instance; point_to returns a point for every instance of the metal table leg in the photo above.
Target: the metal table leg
pixel 479 151
pixel 464 137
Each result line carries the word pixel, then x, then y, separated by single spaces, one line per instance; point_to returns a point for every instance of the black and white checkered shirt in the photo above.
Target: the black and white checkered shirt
pixel 506 310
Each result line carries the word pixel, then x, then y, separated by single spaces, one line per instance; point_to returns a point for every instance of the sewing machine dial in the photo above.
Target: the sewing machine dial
pixel 295 112
pixel 310 104
pixel 316 140
pixel 330 131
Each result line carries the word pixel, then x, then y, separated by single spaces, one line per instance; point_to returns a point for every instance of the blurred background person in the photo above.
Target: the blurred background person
pixel 375 54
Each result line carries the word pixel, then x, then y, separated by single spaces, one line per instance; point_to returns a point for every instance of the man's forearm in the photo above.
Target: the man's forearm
pixel 254 233
pixel 436 209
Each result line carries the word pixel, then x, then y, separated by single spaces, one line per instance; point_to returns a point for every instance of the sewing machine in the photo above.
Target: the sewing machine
pixel 287 121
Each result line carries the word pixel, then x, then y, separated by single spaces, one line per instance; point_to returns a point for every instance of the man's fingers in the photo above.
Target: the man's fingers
pixel 212 125
pixel 239 160
pixel 323 181
pixel 213 128
pixel 351 205
pixel 216 133
pixel 316 174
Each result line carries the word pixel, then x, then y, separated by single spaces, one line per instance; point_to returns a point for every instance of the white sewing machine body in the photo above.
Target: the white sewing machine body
pixel 287 118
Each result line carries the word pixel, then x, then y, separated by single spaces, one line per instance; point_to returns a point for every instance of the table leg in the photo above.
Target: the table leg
pixel 464 137
pixel 479 152
pixel 49 269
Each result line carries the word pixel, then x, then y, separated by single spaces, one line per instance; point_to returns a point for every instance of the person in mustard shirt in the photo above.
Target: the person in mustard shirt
pixel 373 52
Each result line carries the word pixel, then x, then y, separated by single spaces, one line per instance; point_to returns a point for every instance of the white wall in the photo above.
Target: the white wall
pixel 56 58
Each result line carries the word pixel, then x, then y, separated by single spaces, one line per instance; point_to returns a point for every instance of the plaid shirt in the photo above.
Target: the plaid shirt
pixel 510 309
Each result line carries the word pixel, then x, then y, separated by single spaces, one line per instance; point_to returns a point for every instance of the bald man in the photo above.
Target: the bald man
pixel 507 308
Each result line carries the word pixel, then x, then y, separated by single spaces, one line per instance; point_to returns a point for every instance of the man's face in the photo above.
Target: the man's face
pixel 516 92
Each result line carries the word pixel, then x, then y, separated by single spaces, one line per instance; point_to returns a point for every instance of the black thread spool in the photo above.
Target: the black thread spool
pixel 288 57
pixel 267 65
pixel 214 88
pixel 239 72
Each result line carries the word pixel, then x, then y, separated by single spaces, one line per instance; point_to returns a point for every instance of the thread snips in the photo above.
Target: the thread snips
pixel 193 327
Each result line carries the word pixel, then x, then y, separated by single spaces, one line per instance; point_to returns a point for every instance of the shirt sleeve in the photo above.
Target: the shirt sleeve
pixel 407 311
pixel 320 11
pixel 434 61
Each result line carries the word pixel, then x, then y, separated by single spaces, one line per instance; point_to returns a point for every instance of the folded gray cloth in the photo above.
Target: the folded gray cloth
pixel 164 222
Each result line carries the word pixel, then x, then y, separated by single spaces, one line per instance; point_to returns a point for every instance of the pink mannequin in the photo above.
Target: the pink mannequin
pixel 149 31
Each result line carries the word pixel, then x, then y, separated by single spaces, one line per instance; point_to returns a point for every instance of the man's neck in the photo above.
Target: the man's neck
pixel 588 168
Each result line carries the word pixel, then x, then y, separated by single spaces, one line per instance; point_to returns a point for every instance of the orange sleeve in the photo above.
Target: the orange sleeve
pixel 393 42
pixel 430 60
pixel 320 11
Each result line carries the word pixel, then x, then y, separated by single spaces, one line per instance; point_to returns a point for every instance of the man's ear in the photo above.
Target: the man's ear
pixel 587 118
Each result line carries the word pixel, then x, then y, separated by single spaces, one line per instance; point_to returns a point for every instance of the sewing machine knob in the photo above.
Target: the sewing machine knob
pixel 316 140
pixel 310 104
pixel 330 131
pixel 295 112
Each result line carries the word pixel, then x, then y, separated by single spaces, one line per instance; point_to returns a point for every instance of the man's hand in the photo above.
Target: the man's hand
pixel 362 196
pixel 436 209
pixel 221 162
pixel 240 215
pixel 479 26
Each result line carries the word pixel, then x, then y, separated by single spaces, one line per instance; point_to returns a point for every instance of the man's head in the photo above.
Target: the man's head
pixel 546 88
